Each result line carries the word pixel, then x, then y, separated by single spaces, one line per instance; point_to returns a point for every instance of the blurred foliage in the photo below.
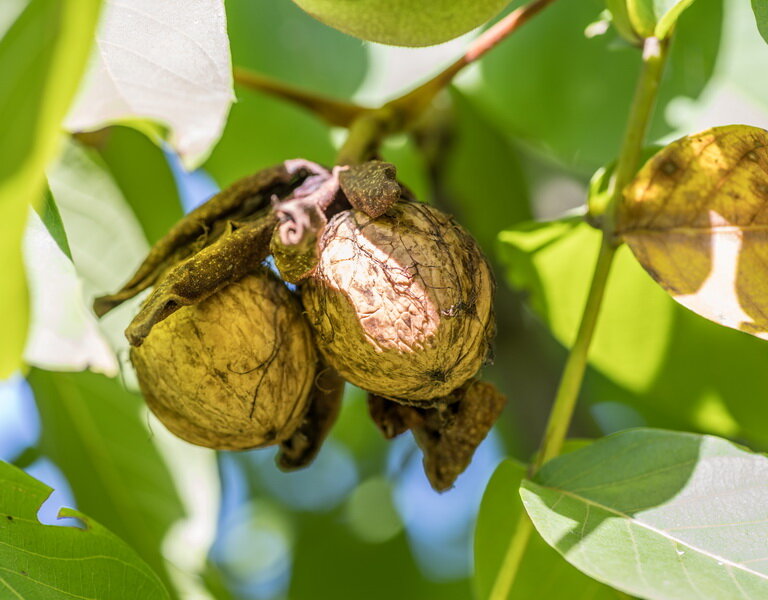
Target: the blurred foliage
pixel 568 95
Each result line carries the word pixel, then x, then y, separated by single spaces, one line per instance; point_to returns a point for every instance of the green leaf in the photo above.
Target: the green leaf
pixel 570 99
pixel 658 514
pixel 655 18
pixel 95 432
pixel 42 56
pixel 761 14
pixel 152 195
pixel 553 262
pixel 542 573
pixel 482 169
pixel 43 561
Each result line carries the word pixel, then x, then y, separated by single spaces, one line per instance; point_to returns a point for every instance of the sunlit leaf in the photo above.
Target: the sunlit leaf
pixel 42 56
pixel 695 218
pixel 553 262
pixel 658 514
pixel 95 432
pixel 542 573
pixel 167 62
pixel 63 332
pixel 44 561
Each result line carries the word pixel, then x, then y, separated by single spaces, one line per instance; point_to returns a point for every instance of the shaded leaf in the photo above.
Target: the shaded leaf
pixel 167 62
pixel 695 218
pixel 94 431
pixel 482 169
pixel 44 561
pixel 42 56
pixel 543 573
pixel 152 195
pixel 761 14
pixel 658 514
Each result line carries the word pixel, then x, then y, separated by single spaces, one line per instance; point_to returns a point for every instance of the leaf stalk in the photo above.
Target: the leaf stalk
pixel 654 57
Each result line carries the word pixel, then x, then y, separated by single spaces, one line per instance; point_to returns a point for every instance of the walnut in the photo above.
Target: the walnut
pixel 401 305
pixel 234 371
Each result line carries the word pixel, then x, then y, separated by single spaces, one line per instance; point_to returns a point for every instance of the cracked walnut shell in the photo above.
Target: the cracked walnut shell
pixel 401 305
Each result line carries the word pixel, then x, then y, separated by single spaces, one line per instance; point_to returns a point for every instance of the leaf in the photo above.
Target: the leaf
pixel 715 374
pixel 63 334
pixel 152 196
pixel 542 573
pixel 553 262
pixel 594 81
pixel 95 432
pixel 106 240
pixel 166 62
pixel 658 514
pixel 695 218
pixel 42 55
pixel 43 561
pixel 760 7
pixel 481 167
pixel 655 18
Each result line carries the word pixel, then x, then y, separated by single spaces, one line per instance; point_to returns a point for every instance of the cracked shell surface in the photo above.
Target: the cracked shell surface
pixel 401 305
pixel 234 371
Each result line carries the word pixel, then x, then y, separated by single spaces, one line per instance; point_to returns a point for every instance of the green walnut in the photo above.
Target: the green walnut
pixel 404 22
pixel 233 372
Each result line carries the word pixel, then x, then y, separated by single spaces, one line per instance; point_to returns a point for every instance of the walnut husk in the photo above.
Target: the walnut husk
pixel 234 371
pixel 401 305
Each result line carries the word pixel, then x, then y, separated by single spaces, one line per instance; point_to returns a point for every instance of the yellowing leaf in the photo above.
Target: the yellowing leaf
pixel 696 217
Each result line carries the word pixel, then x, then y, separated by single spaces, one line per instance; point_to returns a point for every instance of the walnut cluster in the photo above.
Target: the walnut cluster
pixel 397 299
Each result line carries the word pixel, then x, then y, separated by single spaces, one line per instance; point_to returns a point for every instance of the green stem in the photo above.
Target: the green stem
pixel 654 56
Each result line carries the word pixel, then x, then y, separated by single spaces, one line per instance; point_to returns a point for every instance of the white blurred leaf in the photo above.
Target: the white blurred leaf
pixel 165 61
pixel 105 238
pixel 64 334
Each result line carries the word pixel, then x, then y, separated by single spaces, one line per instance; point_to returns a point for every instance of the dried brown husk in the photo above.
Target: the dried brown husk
pixel 234 371
pixel 401 305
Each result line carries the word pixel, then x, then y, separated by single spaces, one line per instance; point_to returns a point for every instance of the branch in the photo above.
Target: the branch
pixel 334 112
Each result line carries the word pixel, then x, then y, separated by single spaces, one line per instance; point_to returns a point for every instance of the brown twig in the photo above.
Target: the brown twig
pixel 334 112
